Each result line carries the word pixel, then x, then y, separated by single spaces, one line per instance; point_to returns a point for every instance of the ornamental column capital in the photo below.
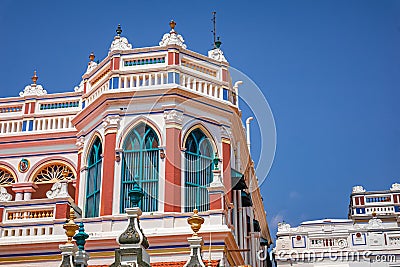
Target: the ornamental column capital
pixel 173 117
pixel 111 124
pixel 80 142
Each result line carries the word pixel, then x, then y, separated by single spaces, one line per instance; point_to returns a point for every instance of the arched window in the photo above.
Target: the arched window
pixel 54 172
pixel 140 164
pixel 93 180
pixel 6 177
pixel 198 171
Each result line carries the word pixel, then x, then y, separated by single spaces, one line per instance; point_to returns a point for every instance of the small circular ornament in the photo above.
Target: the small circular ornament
pixel 23 165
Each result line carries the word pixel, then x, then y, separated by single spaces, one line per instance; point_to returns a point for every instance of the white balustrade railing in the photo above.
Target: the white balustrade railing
pixel 28 231
pixel 204 87
pixel 10 127
pixel 53 123
pixel 156 79
pixel 96 92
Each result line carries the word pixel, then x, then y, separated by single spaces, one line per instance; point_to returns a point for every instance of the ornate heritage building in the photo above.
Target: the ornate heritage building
pixel 164 117
pixel 369 237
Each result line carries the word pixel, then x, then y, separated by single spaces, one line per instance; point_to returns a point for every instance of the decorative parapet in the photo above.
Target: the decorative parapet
pixel 217 54
pixel 59 105
pixel 172 38
pixel 283 227
pixel 358 189
pixel 11 109
pixel 120 43
pixel 33 89
pixel 143 61
pixel 395 187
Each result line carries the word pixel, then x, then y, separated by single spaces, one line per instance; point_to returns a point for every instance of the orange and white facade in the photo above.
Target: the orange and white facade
pixel 159 115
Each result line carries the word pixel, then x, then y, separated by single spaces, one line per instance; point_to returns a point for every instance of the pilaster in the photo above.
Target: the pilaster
pixel 173 124
pixel 111 125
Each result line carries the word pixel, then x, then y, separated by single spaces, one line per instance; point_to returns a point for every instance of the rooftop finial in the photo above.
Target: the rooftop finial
pixel 214 31
pixel 34 77
pixel 195 222
pixel 172 24
pixel 91 56
pixel 119 30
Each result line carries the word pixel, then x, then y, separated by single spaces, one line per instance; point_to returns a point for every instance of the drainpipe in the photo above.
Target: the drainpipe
pixel 236 87
pixel 249 119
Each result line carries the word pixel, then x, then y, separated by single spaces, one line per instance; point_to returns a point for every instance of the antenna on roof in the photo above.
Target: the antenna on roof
pixel 214 31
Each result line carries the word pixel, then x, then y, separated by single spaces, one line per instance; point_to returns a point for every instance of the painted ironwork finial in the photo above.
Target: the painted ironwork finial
pixel 218 42
pixel 91 56
pixel 81 237
pixel 119 30
pixel 195 222
pixel 70 226
pixel 172 24
pixel 135 195
pixel 34 77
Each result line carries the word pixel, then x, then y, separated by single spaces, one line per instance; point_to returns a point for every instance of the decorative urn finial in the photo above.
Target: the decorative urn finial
pixel 118 30
pixel 195 222
pixel 34 77
pixel 172 24
pixel 81 237
pixel 70 227
pixel 91 56
pixel 135 195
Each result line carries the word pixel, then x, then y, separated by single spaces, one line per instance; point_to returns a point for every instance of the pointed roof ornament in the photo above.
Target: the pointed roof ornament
pixel 91 65
pixel 33 89
pixel 120 43
pixel 216 53
pixel 34 77
pixel 119 30
pixel 172 38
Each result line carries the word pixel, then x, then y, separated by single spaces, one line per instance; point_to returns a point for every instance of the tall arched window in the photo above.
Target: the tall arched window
pixel 198 171
pixel 93 179
pixel 140 164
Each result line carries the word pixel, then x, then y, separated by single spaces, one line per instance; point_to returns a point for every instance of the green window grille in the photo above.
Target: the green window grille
pixel 198 171
pixel 140 164
pixel 93 180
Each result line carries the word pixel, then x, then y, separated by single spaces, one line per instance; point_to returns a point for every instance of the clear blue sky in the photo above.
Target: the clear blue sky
pixel 330 70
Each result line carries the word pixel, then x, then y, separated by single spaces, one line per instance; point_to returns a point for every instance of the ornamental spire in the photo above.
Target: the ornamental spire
pixel 172 38
pixel 34 77
pixel 34 88
pixel 120 43
pixel 216 53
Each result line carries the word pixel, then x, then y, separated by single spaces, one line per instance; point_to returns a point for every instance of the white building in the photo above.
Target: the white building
pixel 370 237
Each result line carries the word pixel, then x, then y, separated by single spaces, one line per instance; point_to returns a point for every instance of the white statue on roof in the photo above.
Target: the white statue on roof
pixel 120 43
pixel 172 38
pixel 33 89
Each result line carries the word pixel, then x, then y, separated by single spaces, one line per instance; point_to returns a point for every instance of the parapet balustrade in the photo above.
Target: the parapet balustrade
pixel 158 79
pixel 12 216
pixel 8 127
pixel 53 123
